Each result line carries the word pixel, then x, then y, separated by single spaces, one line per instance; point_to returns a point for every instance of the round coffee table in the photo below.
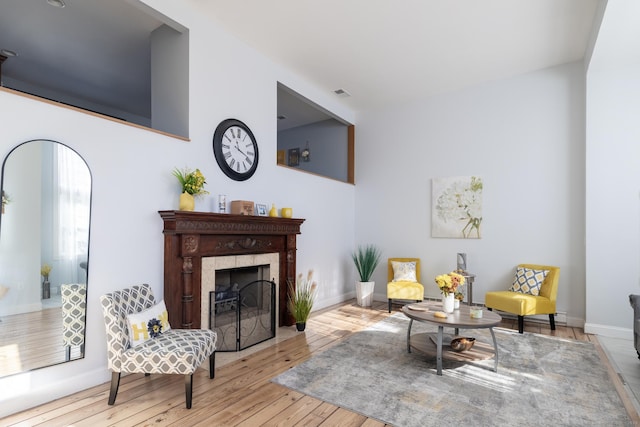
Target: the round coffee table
pixel 432 343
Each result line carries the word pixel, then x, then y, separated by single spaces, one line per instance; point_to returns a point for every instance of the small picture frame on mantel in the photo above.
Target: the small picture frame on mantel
pixel 294 156
pixel 261 209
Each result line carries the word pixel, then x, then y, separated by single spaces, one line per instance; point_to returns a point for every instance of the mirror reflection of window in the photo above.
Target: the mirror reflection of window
pixel 71 232
pixel 322 141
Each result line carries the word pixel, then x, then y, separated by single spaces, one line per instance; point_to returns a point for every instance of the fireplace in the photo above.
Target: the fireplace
pixel 239 299
pixel 190 238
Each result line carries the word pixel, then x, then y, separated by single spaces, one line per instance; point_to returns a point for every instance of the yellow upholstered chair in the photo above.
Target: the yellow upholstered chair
pixel 404 280
pixel 522 300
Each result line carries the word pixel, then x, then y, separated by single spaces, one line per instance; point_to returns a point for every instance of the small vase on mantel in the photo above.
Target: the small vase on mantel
pixel 187 202
pixel 448 302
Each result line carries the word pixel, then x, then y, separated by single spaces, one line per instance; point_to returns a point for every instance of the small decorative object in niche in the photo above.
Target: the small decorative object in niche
pixel 306 154
pixel 280 157
pixel 294 156
pixel 261 209
pixel 456 207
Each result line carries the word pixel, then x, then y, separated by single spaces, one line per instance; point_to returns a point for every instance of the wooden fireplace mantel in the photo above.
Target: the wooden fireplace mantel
pixel 190 236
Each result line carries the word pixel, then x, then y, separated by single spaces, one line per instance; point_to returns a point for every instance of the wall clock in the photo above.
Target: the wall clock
pixel 235 149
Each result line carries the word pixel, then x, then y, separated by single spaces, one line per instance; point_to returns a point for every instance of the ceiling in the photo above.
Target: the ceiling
pixel 381 52
pixel 390 52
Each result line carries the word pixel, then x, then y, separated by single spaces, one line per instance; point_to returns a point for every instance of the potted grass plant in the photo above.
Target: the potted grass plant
pixel 366 258
pixel 301 297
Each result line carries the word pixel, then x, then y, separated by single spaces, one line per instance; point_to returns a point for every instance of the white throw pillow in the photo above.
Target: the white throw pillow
pixel 528 281
pixel 404 271
pixel 148 324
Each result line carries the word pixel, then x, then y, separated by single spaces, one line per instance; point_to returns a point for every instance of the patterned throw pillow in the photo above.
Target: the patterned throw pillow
pixel 148 324
pixel 404 271
pixel 528 281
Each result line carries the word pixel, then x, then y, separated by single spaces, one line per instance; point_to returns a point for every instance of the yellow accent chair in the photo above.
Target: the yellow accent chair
pixel 403 281
pixel 523 299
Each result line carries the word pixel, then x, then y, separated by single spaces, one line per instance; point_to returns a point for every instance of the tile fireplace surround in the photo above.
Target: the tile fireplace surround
pixel 192 237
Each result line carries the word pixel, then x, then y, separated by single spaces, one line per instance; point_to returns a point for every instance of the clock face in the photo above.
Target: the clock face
pixel 235 149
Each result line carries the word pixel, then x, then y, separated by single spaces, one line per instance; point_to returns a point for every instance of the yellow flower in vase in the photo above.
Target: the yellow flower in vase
pixel 448 283
pixel 45 270
pixel 192 182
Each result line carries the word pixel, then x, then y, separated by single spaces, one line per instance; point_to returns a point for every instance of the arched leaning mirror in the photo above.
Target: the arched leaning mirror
pixel 44 256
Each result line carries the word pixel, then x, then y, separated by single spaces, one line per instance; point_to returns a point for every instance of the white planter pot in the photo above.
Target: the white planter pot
pixel 364 293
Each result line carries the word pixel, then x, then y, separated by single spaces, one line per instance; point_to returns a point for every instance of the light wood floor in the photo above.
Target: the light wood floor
pixel 241 393
pixel 32 340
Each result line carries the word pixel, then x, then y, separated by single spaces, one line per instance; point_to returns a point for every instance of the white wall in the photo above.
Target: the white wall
pixel 613 173
pixel 132 181
pixel 613 200
pixel 525 137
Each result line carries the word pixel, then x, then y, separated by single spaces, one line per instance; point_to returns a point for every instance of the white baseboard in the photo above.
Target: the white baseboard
pixel 608 331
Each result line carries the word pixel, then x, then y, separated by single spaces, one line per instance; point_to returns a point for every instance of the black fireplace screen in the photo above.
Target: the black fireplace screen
pixel 243 316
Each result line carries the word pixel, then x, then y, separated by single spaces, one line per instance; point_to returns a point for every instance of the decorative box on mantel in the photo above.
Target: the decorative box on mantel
pixel 191 236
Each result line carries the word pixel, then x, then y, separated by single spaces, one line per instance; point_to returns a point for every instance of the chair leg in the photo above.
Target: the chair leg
pixel 389 305
pixel 521 324
pixel 188 388
pixel 212 365
pixel 115 383
pixel 67 353
pixel 552 321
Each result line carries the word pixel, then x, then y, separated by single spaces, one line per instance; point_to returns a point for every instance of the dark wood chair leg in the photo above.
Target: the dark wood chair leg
pixel 188 388
pixel 67 353
pixel 115 383
pixel 212 365
pixel 521 324
pixel 552 321
pixel 389 305
pixel 146 374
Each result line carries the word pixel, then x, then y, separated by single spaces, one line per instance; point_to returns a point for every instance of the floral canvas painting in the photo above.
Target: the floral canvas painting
pixel 456 207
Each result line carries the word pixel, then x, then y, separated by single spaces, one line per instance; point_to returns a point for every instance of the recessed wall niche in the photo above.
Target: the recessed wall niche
pixel 118 58
pixel 312 139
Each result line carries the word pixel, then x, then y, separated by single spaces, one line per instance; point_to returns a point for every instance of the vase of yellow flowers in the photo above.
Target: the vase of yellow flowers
pixel 192 183
pixel 45 270
pixel 448 284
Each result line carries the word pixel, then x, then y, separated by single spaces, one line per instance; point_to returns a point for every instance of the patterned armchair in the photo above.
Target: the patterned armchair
pixel 74 309
pixel 176 351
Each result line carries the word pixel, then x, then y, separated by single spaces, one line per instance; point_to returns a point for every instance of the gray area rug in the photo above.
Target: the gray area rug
pixel 541 381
